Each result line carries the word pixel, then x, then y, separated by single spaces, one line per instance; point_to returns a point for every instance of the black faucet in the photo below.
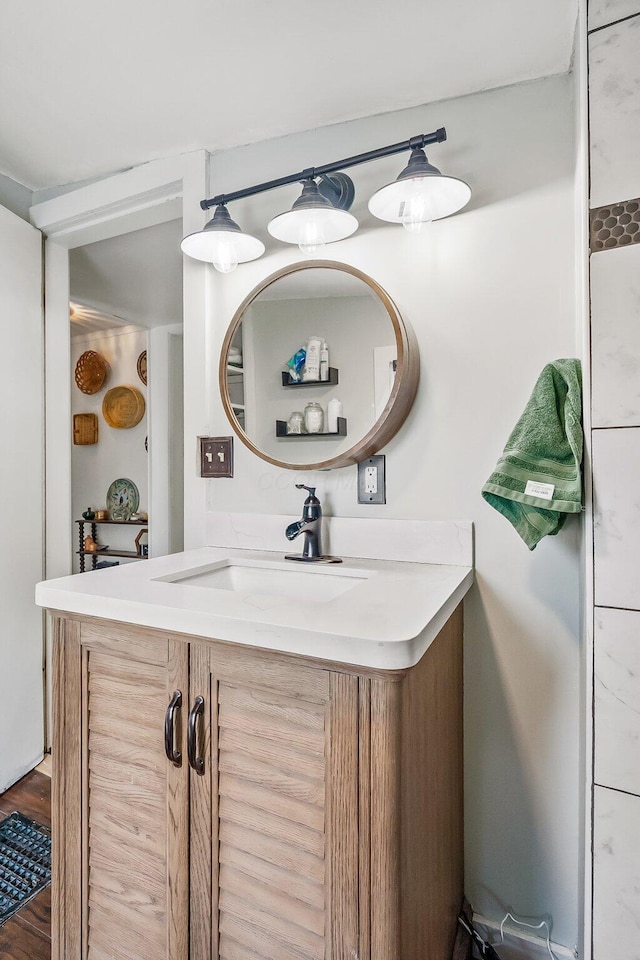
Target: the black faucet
pixel 311 526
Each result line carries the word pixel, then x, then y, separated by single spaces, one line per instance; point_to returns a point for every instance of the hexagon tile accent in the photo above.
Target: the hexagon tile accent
pixel 616 225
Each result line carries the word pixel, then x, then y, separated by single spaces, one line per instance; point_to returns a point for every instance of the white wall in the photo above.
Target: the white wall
pixel 118 453
pixel 22 479
pixel 176 444
pixel 15 197
pixel 491 296
pixel 166 447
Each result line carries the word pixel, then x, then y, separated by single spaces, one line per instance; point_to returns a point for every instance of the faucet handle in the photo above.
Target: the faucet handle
pixel 302 486
pixel 311 501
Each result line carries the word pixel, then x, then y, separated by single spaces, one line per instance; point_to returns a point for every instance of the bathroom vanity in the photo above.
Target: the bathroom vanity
pixel 251 766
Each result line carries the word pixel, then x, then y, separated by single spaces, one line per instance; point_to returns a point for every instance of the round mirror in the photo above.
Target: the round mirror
pixel 318 369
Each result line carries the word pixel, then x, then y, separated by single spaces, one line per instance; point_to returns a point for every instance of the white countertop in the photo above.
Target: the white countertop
pixel 386 620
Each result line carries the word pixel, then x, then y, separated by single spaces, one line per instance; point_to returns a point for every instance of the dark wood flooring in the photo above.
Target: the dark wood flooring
pixel 27 936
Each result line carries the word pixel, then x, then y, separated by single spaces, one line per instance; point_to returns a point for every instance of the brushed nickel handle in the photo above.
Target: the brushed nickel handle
pixel 195 762
pixel 172 752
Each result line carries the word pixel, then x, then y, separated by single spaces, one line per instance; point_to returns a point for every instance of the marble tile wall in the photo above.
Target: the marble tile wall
pixel 616 844
pixel 616 486
pixel 614 130
pixel 614 115
pixel 604 12
pixel 617 699
pixel 615 337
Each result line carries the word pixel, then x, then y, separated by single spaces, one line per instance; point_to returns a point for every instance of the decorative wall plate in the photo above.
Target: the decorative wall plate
pixel 123 499
pixel 142 367
pixel 123 407
pixel 91 372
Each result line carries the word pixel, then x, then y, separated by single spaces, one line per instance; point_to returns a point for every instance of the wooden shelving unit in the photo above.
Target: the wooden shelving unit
pixel 108 552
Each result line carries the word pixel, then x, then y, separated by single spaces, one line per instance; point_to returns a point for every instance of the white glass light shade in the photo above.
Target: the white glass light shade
pixel 313 226
pixel 209 246
pixel 413 200
pixel 222 243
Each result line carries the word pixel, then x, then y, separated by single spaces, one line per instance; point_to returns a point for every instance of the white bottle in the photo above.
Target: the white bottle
pixel 312 361
pixel 334 410
pixel 324 361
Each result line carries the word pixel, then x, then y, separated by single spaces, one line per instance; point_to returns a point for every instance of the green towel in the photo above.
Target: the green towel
pixel 537 480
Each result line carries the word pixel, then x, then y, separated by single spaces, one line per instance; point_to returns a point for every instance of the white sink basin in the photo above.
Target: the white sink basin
pixel 272 579
pixel 381 614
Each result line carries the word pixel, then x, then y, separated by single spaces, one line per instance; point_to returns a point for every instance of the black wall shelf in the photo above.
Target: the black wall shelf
pixel 331 382
pixel 281 431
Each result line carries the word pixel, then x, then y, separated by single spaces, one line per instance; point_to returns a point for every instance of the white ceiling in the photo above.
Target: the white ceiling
pixel 86 89
pixel 136 277
pixel 85 320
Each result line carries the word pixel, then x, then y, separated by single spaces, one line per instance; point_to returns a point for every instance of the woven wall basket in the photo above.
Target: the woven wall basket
pixel 123 407
pixel 85 428
pixel 91 372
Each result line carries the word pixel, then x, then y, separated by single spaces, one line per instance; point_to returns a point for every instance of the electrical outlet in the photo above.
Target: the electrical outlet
pixel 216 456
pixel 371 480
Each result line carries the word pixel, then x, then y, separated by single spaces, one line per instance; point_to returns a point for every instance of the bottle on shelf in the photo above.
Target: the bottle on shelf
pixel 334 410
pixel 312 359
pixel 324 361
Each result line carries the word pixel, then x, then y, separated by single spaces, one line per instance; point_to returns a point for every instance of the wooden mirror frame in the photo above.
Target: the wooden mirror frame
pixel 402 394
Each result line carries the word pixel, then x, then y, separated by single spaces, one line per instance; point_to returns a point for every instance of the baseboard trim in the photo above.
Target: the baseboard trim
pixel 46 766
pixel 517 944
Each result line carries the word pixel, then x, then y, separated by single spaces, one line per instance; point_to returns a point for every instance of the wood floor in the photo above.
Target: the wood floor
pixel 27 936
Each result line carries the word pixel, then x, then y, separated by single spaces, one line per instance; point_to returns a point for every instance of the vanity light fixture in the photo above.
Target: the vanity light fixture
pixel 320 214
pixel 222 243
pixel 419 194
pixel 314 220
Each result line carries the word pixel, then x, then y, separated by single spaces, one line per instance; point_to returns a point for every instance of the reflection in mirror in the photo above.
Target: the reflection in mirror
pixel 307 308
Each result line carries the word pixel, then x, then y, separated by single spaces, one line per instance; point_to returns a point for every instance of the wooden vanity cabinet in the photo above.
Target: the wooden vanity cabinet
pixel 120 810
pixel 325 824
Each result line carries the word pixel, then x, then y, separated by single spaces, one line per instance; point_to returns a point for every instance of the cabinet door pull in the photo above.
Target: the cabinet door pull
pixel 197 710
pixel 173 754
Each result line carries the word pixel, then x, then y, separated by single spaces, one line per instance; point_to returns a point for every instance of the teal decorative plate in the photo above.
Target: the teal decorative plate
pixel 123 499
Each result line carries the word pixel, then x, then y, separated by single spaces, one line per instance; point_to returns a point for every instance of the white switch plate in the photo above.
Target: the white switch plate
pixel 371 480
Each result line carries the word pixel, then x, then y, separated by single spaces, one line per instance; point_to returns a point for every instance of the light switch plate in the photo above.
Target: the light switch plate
pixel 216 456
pixel 371 480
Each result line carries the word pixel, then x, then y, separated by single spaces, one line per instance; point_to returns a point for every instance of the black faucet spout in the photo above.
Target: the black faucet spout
pixel 295 529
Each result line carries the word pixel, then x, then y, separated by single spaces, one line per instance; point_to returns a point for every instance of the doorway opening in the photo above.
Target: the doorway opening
pixel 126 307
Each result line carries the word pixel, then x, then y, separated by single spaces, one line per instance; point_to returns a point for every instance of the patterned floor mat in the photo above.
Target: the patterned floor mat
pixel 25 862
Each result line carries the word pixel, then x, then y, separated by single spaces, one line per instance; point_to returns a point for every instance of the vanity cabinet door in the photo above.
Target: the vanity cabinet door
pixel 274 815
pixel 120 808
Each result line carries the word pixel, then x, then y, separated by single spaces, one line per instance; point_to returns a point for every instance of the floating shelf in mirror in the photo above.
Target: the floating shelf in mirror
pixel 283 434
pixel 331 381
pixel 368 342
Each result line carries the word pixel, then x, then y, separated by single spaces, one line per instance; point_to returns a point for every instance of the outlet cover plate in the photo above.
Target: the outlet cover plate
pixel 371 480
pixel 216 456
